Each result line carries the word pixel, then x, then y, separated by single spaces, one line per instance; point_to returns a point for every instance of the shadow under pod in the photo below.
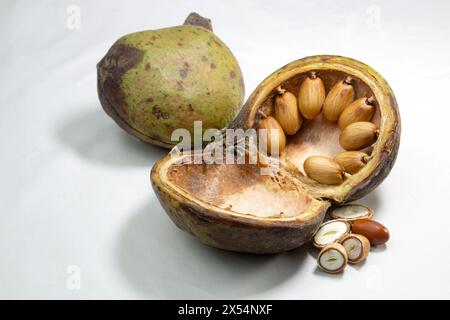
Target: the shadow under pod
pixel 161 261
pixel 96 137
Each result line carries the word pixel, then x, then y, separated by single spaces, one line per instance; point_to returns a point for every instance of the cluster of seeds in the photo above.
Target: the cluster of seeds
pixel 339 105
pixel 348 237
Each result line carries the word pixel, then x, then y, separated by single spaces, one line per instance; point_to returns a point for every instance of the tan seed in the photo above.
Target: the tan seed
pixel 358 135
pixel 340 96
pixel 274 135
pixel 333 258
pixel 286 112
pixel 352 161
pixel 357 247
pixel 311 96
pixel 324 170
pixel 359 110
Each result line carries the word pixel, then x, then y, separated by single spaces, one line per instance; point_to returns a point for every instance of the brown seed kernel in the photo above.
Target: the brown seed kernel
pixel 274 135
pixel 286 112
pixel 372 230
pixel 352 161
pixel 324 170
pixel 359 110
pixel 340 96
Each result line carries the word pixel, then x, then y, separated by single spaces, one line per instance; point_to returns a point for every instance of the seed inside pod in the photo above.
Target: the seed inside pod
pixel 340 96
pixel 324 170
pixel 350 212
pixel 359 110
pixel 357 247
pixel 358 135
pixel 311 96
pixel 272 133
pixel 286 111
pixel 352 161
pixel 330 232
pixel 372 230
pixel 333 258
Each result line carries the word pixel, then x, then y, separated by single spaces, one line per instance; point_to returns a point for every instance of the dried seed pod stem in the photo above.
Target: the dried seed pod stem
pixel 358 135
pixel 333 258
pixel 286 111
pixel 311 96
pixel 357 247
pixel 352 161
pixel 340 96
pixel 361 109
pixel 324 170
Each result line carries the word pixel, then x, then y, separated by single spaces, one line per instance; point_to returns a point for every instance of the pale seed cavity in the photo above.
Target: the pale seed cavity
pixel 272 133
pixel 333 258
pixel 340 96
pixel 324 170
pixel 330 232
pixel 361 109
pixel 311 96
pixel 358 135
pixel 286 112
pixel 357 247
pixel 352 161
pixel 350 212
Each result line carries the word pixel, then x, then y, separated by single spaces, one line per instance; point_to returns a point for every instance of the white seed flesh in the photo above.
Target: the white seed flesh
pixel 333 258
pixel 351 212
pixel 353 247
pixel 330 232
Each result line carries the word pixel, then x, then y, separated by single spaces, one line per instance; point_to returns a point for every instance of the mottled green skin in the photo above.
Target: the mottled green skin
pixel 182 74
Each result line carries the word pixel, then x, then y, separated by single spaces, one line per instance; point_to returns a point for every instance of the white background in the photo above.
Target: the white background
pixel 75 189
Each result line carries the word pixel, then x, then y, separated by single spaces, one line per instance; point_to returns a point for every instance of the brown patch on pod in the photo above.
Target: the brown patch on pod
pixel 352 161
pixel 340 96
pixel 274 135
pixel 372 230
pixel 333 258
pixel 286 111
pixel 357 247
pixel 359 110
pixel 311 96
pixel 324 170
pixel 358 135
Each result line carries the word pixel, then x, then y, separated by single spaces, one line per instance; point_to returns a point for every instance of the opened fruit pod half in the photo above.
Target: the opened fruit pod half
pixel 339 130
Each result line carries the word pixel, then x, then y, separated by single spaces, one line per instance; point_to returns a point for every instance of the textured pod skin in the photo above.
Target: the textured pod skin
pixel 154 82
pixel 359 110
pixel 234 233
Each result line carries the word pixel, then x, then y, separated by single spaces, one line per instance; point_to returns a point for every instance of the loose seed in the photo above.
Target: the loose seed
pixel 329 232
pixel 286 111
pixel 372 230
pixel 357 247
pixel 324 170
pixel 340 96
pixel 358 135
pixel 333 258
pixel 349 212
pixel 311 96
pixel 352 161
